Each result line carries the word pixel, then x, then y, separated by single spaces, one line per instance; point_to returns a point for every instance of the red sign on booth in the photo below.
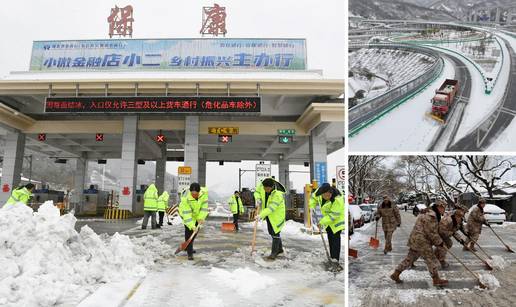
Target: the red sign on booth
pixel 160 138
pixel 42 137
pixel 126 191
pixel 5 188
pixel 99 137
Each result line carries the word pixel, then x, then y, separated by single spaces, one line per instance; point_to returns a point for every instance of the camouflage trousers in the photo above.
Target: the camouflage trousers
pixel 440 252
pixel 427 254
pixel 473 235
pixel 388 240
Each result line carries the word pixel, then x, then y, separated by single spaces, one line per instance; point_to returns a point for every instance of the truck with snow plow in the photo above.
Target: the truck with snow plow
pixel 443 99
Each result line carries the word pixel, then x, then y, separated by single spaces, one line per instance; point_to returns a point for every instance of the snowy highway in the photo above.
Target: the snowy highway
pixel 370 285
pixel 446 134
pixel 499 120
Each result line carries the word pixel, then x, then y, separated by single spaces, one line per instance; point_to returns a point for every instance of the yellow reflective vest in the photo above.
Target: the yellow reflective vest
pixel 163 202
pixel 19 195
pixel 192 210
pixel 150 198
pixel 333 212
pixel 274 209
pixel 235 205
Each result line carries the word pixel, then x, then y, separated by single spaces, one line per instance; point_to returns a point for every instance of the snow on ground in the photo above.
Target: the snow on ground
pixel 489 281
pixel 293 229
pixel 221 211
pixel 406 128
pixel 358 237
pixel 46 262
pixel 506 140
pixel 498 262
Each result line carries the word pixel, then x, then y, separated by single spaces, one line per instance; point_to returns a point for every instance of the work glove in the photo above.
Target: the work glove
pixel 258 203
pixel 461 241
pixel 487 224
pixel 200 222
pixel 399 225
pixel 377 218
pixel 442 244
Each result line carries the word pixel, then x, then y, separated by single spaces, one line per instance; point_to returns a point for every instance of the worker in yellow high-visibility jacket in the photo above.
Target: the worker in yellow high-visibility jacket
pixel 193 209
pixel 331 201
pixel 236 207
pixel 21 194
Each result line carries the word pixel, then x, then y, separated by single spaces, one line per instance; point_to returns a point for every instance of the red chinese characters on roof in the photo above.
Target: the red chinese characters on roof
pixel 214 20
pixel 121 21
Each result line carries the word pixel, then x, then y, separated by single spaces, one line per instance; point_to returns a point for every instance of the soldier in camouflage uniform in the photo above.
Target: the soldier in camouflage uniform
pixel 391 219
pixel 474 225
pixel 424 235
pixel 448 227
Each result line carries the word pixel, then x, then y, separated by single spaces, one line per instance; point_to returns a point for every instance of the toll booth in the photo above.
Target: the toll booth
pixel 139 200
pixel 39 196
pixel 94 202
pixel 295 203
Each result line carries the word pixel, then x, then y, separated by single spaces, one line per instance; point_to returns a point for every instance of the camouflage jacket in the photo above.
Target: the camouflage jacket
pixel 448 229
pixel 475 220
pixel 425 232
pixel 390 217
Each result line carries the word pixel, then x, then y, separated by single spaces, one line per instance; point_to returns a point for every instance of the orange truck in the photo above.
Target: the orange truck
pixel 444 98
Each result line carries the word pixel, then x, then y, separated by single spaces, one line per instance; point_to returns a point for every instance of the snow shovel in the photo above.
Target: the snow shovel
pixel 374 242
pixel 353 252
pixel 336 266
pixel 488 266
pixel 185 244
pixel 472 273
pixel 509 249
pixel 228 226
pixel 253 243
pixel 480 247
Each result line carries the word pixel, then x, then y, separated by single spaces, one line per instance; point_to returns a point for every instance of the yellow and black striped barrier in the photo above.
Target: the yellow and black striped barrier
pixel 117 214
pixel 172 210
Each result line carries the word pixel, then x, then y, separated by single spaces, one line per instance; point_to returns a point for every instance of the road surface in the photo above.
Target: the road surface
pixel 370 284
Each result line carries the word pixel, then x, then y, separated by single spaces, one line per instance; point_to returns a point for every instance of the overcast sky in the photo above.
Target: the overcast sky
pixel 320 22
pixel 23 21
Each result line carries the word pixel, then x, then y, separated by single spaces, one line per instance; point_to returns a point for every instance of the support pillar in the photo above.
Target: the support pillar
pixel 129 164
pixel 318 156
pixel 498 14
pixel 12 165
pixel 202 172
pixel 79 182
pixel 283 174
pixel 161 170
pixel 192 146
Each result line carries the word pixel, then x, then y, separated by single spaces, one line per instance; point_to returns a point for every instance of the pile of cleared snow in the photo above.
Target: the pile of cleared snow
pixel 220 211
pixel 489 281
pixel 497 262
pixel 358 239
pixel 293 229
pixel 244 281
pixel 45 261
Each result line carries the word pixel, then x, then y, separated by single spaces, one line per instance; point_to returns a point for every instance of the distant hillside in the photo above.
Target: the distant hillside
pixel 439 10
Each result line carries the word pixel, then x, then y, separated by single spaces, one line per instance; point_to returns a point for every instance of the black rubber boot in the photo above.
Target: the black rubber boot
pixel 280 247
pixel 275 248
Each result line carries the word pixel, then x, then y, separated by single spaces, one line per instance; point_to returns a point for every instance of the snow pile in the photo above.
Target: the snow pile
pixel 489 281
pixel 44 260
pixel 497 262
pixel 220 211
pixel 245 281
pixel 358 239
pixel 293 229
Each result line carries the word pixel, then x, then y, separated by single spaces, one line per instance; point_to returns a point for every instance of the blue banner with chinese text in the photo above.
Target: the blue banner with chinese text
pixel 169 54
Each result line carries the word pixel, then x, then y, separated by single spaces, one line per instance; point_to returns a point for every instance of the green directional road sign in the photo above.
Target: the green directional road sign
pixel 285 139
pixel 286 131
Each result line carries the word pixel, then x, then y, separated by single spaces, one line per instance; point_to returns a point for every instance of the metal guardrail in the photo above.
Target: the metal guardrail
pixel 360 115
